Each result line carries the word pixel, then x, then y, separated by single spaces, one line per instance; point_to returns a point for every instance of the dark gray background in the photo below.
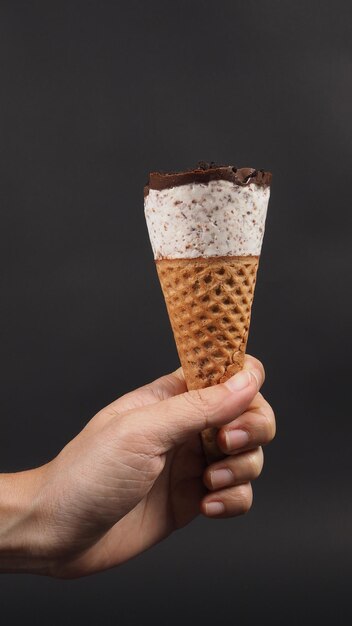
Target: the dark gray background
pixel 93 96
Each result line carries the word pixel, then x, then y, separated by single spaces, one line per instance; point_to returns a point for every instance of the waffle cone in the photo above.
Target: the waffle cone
pixel 209 304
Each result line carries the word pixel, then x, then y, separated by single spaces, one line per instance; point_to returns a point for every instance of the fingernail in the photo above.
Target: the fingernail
pixel 214 508
pixel 239 381
pixel 221 478
pixel 236 439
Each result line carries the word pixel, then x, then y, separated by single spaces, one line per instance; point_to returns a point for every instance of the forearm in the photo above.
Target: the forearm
pixel 22 540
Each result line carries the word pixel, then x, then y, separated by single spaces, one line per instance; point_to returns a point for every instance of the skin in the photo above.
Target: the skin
pixel 135 474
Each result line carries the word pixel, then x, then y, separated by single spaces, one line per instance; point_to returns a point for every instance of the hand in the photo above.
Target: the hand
pixel 137 471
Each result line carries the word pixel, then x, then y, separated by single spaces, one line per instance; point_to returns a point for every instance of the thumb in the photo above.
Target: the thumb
pixel 170 422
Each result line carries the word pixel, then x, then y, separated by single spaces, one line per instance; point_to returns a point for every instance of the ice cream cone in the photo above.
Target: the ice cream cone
pixel 207 265
pixel 209 305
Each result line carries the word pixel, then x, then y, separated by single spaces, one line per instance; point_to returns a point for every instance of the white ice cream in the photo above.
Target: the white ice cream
pixel 218 218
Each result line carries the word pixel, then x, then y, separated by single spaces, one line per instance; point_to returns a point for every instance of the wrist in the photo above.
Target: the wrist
pixel 22 540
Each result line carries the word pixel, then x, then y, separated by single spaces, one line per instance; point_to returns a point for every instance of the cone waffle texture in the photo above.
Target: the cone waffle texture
pixel 209 304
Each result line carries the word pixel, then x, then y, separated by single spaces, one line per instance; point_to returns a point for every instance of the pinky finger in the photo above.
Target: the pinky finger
pixel 228 502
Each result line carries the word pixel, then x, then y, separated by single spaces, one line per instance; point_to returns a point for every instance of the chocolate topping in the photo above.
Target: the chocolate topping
pixel 206 172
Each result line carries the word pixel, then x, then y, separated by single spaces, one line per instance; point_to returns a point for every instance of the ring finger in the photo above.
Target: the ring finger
pixel 228 502
pixel 234 470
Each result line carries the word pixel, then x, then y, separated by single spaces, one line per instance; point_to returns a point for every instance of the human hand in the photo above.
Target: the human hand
pixel 137 471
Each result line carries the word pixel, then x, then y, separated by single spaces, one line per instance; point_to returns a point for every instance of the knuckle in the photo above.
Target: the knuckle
pixel 255 460
pixel 245 498
pixel 207 479
pixel 259 365
pixel 198 404
pixel 268 424
pixel 134 437
pixel 121 430
pixel 263 370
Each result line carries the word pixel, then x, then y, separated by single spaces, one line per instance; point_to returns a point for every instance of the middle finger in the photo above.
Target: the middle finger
pixel 255 427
